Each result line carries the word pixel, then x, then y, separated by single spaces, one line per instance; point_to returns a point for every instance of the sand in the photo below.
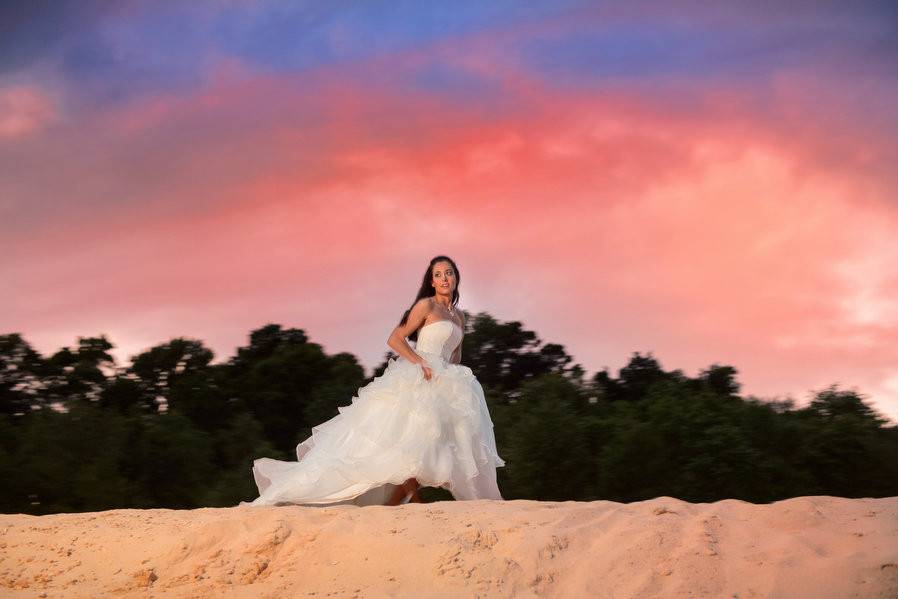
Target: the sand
pixel 802 547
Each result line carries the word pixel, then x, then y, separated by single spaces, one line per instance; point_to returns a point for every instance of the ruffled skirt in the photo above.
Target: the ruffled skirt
pixel 399 426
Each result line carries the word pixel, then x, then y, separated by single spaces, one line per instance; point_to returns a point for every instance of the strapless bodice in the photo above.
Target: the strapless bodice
pixel 440 337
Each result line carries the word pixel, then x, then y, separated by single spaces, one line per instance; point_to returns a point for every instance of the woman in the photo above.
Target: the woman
pixel 423 422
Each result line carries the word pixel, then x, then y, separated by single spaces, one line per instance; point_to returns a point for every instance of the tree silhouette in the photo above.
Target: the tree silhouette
pixel 21 376
pixel 831 403
pixel 159 368
pixel 173 430
pixel 720 380
pixel 505 355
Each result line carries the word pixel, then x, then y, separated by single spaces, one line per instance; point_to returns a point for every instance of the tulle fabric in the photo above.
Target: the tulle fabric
pixel 399 426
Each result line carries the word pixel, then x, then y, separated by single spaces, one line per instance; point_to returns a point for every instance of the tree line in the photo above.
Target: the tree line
pixel 173 430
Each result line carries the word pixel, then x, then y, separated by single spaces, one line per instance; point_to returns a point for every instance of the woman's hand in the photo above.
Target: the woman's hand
pixel 428 372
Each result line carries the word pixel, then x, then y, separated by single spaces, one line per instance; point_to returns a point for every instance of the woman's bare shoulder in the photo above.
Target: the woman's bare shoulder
pixel 423 307
pixel 424 302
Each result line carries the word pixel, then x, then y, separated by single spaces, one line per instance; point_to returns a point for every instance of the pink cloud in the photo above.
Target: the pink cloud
pixel 606 222
pixel 24 110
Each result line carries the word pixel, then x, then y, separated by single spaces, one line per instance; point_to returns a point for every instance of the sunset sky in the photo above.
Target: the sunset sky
pixel 712 185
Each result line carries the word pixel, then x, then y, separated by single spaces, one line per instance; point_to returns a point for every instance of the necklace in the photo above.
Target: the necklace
pixel 448 307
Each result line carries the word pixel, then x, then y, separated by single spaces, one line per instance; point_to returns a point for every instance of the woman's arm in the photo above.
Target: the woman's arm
pixel 397 340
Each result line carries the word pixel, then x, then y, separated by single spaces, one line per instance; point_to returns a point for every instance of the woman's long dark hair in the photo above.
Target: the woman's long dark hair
pixel 428 290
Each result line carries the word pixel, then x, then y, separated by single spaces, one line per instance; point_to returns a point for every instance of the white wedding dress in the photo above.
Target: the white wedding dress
pixel 399 426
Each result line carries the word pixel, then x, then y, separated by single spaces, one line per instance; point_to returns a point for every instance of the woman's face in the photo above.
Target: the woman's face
pixel 443 278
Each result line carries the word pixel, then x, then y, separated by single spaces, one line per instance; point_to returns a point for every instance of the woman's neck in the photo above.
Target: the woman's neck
pixel 443 302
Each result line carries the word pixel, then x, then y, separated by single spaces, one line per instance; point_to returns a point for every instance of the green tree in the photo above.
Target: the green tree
pixel 21 377
pixel 77 375
pixel 159 368
pixel 69 461
pixel 547 446
pixel 505 355
pixel 170 462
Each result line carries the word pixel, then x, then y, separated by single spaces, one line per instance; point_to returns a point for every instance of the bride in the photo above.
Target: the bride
pixel 423 422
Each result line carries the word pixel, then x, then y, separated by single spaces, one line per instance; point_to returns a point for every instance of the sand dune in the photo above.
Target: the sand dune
pixel 664 547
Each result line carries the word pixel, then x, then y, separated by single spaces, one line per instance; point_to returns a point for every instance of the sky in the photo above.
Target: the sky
pixel 713 183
